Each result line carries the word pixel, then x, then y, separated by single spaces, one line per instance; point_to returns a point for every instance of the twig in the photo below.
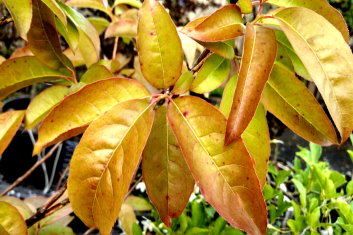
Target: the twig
pixel 3 20
pixel 89 231
pixel 201 60
pixel 115 49
pixel 133 187
pixel 62 177
pixel 47 209
pixel 35 166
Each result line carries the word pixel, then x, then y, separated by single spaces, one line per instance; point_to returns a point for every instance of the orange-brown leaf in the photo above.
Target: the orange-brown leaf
pixel 9 124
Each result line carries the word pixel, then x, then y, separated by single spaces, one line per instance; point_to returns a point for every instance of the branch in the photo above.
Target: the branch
pixel 4 20
pixel 35 166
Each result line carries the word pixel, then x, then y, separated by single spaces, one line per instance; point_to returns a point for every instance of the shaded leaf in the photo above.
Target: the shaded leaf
pixel 225 49
pixel 228 93
pixel 127 218
pixel 97 188
pixel 94 73
pixel 321 7
pixel 21 52
pixel 290 101
pixel 69 32
pixel 55 8
pixel 159 46
pixel 21 206
pixel 259 54
pixel 328 59
pixel 189 48
pixel 122 28
pixel 184 83
pixel 56 229
pixel 99 23
pixel 43 38
pixel 138 203
pixel 223 24
pixel 11 220
pixel 21 15
pixel 84 106
pixel 212 74
pixel 9 124
pixel 13 79
pixel 168 180
pixel 230 167
pixel 42 104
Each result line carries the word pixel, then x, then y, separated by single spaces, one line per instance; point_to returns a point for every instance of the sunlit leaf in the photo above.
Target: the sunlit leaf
pixel 168 180
pixel 55 8
pixel 245 6
pixel 56 229
pixel 102 168
pixel 42 104
pixel 321 7
pixel 189 47
pixel 122 28
pixel 11 220
pixel 12 78
pixel 184 83
pixel 95 4
pixel 283 57
pixel 134 3
pixel 88 41
pixel 225 49
pixel 328 59
pixel 138 203
pixel 75 57
pixel 290 101
pixel 200 131
pixel 21 15
pixel 255 135
pixel 69 32
pixel 43 38
pixel 159 46
pixel 259 54
pixel 212 74
pixel 94 73
pixel 99 23
pixel 9 124
pixel 223 24
pixel 72 116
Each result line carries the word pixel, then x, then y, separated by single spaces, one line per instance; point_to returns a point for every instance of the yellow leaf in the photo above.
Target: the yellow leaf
pixel 9 124
pixel 127 218
pixel 259 54
pixel 245 6
pixel 11 221
pixel 122 28
pixel 159 46
pixel 168 180
pixel 102 168
pixel 72 116
pixel 328 59
pixel 225 174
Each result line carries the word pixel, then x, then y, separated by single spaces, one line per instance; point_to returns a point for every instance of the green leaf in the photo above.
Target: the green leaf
pixel 133 3
pixel 95 4
pixel 328 59
pixel 11 220
pixel 157 36
pixel 55 229
pixel 72 116
pixel 9 124
pixel 99 23
pixel 55 8
pixel 321 7
pixel 245 6
pixel 43 38
pixel 290 101
pixel 337 178
pixel 259 55
pixel 69 32
pixel 42 104
pixel 138 203
pixel 223 24
pixel 212 74
pixel 221 48
pixel 183 84
pixel 230 167
pixel 88 40
pixel 22 15
pixel 168 180
pixel 302 191
pixel 228 93
pixel 95 73
pixel 102 168
pixel 13 79
pixel 349 188
pixel 315 152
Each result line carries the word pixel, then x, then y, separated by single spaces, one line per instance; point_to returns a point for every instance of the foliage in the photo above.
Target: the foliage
pixel 182 139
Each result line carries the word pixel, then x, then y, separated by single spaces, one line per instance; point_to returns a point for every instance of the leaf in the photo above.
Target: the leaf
pixel 42 104
pixel 21 52
pixel 21 206
pixel 72 116
pixel 328 59
pixel 168 180
pixel 159 46
pixel 221 172
pixel 69 32
pixel 259 54
pixel 55 8
pixel 55 229
pixel 290 101
pixel 9 124
pixel 127 218
pixel 97 189
pixel 224 49
pixel 255 135
pixel 11 220
pixel 99 23
pixel 122 28
pixel 138 203
pixel 189 48
pixel 95 4
pixel 89 42
pixel 43 38
pixel 223 24
pixel 94 73
pixel 13 79
pixel 321 7
pixel 183 84
pixel 21 15
pixel 245 6
pixel 212 74
pixel 133 3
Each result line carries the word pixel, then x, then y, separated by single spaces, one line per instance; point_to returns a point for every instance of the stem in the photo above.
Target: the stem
pixel 260 7
pixel 133 187
pixel 115 48
pixel 89 231
pixel 62 177
pixel 201 60
pixel 3 20
pixel 35 166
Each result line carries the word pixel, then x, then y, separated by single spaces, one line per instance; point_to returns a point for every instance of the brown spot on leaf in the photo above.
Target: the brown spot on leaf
pixel 186 113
